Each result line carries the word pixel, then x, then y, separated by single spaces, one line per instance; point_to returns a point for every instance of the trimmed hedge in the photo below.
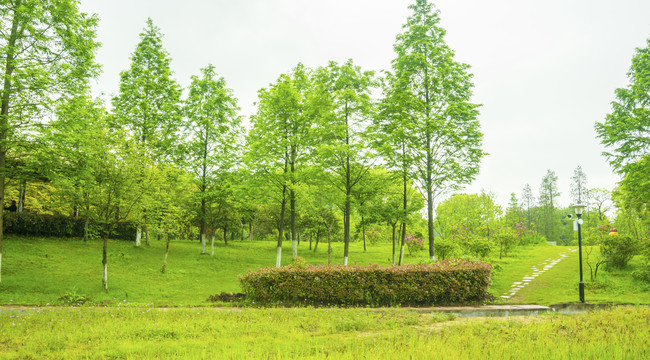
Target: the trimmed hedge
pixel 452 281
pixel 33 224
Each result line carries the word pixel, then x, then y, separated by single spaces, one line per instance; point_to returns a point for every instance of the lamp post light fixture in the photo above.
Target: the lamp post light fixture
pixel 578 208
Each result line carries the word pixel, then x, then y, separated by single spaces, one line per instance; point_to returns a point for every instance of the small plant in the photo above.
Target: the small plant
pixel 414 244
pixel 373 236
pixel 72 298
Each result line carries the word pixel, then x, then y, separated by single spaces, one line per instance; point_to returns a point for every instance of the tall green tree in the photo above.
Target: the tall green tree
pixel 92 166
pixel 215 128
pixel 434 94
pixel 148 105
pixel 626 132
pixel 279 143
pixel 579 189
pixel 514 213
pixel 47 51
pixel 343 109
pixel 548 194
pixel 527 204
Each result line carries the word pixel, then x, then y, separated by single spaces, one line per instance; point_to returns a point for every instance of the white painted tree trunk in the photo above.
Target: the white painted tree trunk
pixel 138 237
pixel 345 260
pixel 401 255
pixel 294 249
pixel 203 250
pixel 278 259
pixel 212 244
pixel 105 277
pixel 432 258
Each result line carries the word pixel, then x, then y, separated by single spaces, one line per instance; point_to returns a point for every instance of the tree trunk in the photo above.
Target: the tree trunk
pixel 138 236
pixel 348 193
pixel 363 232
pixel 164 267
pixel 292 215
pixel 329 246
pixel 225 235
pixel 4 116
pixel 21 195
pixel 105 261
pixel 394 225
pixel 203 187
pixel 212 244
pixel 405 202
pixel 146 236
pixel 278 259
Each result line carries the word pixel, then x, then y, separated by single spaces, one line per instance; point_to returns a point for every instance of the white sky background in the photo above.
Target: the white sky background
pixel 544 71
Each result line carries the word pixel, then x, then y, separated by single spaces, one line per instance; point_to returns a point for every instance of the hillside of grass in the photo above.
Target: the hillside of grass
pixel 39 271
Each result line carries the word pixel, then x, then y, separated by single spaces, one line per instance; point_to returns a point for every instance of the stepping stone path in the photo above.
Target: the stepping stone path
pixel 535 271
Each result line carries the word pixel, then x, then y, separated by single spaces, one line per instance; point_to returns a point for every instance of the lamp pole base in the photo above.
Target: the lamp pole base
pixel 582 292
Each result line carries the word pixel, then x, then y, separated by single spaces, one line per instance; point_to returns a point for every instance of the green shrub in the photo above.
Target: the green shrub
pixel 445 248
pixel 618 250
pixel 447 282
pixel 644 271
pixel 33 224
pixel 479 246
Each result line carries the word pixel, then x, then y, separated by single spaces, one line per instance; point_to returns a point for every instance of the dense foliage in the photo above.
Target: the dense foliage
pixel 44 225
pixel 447 282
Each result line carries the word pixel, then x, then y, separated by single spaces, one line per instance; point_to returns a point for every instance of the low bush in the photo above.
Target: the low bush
pixel 618 250
pixel 33 224
pixel 451 281
pixel 446 248
pixel 480 246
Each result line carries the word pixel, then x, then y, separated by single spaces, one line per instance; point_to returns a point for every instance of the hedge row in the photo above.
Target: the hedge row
pixel 451 281
pixel 32 224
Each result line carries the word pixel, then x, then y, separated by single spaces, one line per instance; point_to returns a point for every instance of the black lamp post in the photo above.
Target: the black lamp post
pixel 578 208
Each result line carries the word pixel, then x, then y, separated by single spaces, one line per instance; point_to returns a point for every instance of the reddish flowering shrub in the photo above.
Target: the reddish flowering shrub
pixel 451 281
pixel 414 244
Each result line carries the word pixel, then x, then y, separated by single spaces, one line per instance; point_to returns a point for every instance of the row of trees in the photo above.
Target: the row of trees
pixel 474 224
pixel 319 144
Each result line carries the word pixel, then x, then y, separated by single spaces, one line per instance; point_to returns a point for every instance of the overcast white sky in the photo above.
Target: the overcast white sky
pixel 545 71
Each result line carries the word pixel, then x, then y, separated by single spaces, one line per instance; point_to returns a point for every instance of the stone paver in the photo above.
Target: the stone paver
pixel 545 266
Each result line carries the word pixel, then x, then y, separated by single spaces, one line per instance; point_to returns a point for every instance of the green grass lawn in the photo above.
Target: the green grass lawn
pixel 308 333
pixel 512 268
pixel 41 271
pixel 560 284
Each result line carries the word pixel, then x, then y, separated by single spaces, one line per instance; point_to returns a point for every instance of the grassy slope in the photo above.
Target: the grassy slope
pixel 518 264
pixel 40 271
pixel 560 284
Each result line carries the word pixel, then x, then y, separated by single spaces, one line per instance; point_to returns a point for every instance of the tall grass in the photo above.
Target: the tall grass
pixel 145 332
